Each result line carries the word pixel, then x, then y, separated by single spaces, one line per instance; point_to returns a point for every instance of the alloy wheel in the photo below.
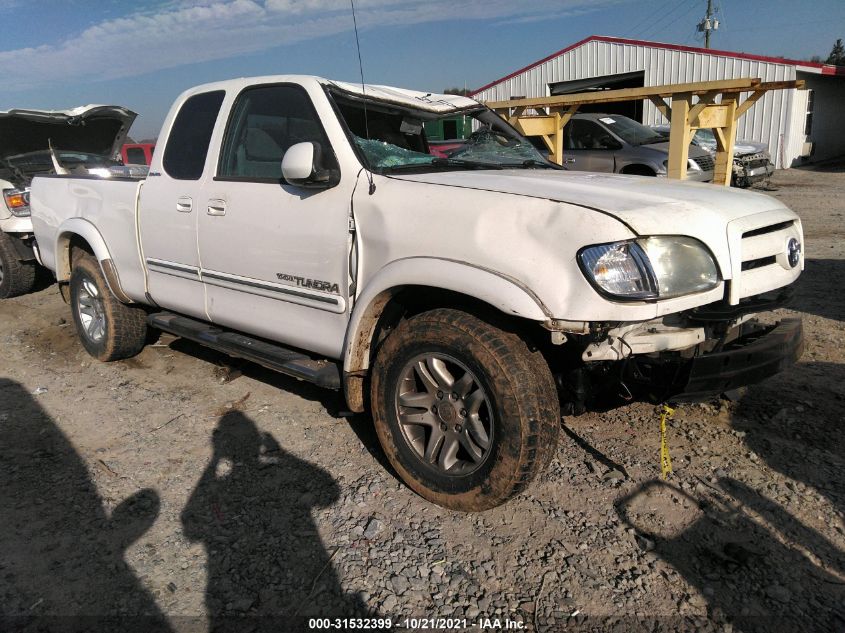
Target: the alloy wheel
pixel 92 314
pixel 444 414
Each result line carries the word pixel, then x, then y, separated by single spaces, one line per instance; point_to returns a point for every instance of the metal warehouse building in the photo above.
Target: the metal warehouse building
pixel 798 125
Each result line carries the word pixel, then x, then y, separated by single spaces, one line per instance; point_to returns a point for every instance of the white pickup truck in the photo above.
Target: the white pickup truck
pixel 302 224
pixel 36 142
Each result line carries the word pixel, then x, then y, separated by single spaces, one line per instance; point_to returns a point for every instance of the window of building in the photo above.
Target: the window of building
pixel 808 117
pixel 450 129
pixel 187 144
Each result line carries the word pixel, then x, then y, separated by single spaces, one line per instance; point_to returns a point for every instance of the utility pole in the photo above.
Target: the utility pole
pixel 709 23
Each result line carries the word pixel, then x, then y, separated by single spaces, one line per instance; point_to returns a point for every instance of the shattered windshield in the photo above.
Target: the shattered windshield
pixel 396 139
pixel 381 154
pixel 631 131
pixel 705 138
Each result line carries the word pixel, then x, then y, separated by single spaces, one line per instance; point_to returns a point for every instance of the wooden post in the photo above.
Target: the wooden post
pixel 683 115
pixel 557 140
pixel 679 135
pixel 725 138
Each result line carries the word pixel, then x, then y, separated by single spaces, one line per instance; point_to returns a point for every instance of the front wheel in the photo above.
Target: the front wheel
pixel 466 412
pixel 108 329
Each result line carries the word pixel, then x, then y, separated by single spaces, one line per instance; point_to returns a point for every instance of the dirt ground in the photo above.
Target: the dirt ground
pixel 161 487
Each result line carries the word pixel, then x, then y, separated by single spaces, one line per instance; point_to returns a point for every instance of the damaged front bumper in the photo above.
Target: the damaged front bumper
pixel 694 355
pixel 752 168
pixel 758 352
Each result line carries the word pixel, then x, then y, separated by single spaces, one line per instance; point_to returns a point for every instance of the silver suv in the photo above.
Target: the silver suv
pixel 752 162
pixel 617 144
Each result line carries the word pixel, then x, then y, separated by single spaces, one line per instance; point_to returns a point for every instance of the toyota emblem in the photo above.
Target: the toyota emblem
pixel 793 252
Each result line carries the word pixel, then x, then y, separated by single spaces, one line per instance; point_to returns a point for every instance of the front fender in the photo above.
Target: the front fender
pixel 80 228
pixel 505 293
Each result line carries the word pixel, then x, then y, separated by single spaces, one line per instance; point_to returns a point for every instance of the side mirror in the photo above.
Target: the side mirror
pixel 301 165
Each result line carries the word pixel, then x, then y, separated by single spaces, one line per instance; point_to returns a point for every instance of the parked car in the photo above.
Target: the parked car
pixel 84 139
pixel 751 162
pixel 137 153
pixel 614 143
pixel 443 149
pixel 302 223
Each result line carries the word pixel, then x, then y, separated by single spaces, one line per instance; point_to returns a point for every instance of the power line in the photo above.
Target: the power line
pixel 668 18
pixel 636 28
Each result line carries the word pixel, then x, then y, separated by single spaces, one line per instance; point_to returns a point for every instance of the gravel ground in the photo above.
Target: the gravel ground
pixel 172 486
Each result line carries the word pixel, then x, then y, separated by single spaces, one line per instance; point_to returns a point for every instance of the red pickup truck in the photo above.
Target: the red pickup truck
pixel 137 153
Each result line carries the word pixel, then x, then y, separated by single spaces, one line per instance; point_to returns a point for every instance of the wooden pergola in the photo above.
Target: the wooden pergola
pixel 693 106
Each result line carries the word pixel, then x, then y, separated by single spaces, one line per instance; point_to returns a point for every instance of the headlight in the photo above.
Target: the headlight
pixel 621 269
pixel 17 201
pixel 650 268
pixel 691 164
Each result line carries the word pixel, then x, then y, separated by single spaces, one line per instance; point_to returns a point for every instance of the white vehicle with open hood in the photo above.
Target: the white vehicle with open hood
pixel 303 224
pixel 78 141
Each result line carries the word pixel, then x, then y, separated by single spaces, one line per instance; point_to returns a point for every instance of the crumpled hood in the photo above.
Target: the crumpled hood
pixel 95 129
pixel 648 206
pixel 741 147
pixel 694 150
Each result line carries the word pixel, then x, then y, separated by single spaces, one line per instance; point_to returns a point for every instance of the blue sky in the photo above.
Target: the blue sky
pixel 64 53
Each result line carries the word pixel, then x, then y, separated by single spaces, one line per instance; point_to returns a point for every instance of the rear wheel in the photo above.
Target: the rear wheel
pixel 467 413
pixel 108 329
pixel 16 277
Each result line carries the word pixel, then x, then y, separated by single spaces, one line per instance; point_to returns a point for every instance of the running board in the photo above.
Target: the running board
pixel 323 373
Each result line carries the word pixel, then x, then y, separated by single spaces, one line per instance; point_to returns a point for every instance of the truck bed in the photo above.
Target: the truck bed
pixel 107 205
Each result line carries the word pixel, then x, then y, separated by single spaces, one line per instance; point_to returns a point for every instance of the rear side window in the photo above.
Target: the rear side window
pixel 136 156
pixel 187 145
pixel 266 121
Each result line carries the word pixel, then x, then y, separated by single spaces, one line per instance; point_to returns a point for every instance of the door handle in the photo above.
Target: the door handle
pixel 184 204
pixel 216 207
pixel 568 160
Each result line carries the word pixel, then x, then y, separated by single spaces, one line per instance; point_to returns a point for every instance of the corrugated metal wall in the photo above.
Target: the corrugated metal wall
pixel 771 120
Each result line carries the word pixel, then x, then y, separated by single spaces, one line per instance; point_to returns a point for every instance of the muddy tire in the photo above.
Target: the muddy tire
pixel 466 413
pixel 16 277
pixel 108 329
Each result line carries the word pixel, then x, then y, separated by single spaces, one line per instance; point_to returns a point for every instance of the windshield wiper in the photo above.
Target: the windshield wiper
pixel 652 141
pixel 531 162
pixel 445 162
pixel 463 162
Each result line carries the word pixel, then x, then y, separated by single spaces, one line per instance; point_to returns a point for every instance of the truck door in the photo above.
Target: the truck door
pixel 171 200
pixel 275 257
pixel 585 147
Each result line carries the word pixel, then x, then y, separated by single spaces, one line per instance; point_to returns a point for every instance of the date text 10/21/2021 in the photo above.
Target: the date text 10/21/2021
pixel 416 624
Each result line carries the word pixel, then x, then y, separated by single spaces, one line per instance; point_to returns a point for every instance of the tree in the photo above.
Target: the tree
pixel 837 54
pixel 457 91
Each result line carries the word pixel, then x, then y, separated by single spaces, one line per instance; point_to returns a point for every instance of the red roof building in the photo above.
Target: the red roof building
pixel 797 125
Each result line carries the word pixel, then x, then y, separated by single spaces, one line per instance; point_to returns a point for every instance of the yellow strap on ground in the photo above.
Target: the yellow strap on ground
pixel 665 458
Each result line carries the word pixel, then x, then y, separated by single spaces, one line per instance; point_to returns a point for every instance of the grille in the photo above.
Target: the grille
pixel 705 162
pixel 772 228
pixel 760 255
pixel 759 157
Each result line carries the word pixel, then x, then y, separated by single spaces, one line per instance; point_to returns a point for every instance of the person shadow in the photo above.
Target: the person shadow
pixel 252 510
pixel 62 565
pixel 730 551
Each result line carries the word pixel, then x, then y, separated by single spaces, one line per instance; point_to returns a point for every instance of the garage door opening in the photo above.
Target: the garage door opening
pixel 632 109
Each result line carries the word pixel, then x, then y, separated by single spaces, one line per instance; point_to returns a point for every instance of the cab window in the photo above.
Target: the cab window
pixel 265 122
pixel 187 143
